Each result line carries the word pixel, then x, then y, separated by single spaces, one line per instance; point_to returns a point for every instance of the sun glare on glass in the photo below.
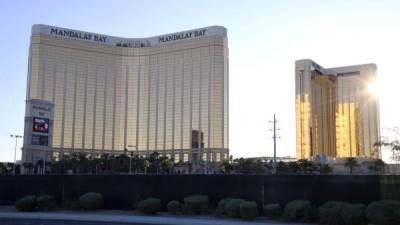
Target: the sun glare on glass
pixel 374 87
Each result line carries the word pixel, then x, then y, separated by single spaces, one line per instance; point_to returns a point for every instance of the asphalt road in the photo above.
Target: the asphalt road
pixel 4 221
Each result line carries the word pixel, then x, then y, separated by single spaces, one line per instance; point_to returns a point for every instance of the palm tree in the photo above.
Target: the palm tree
pixel 3 169
pixel 225 167
pixel 351 163
pixel 167 165
pixel 325 169
pixel 146 165
pixel 28 166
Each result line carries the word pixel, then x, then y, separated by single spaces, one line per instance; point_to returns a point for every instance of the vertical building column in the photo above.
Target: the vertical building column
pixel 103 139
pixel 227 104
pixel 85 90
pixel 43 77
pixel 222 153
pixel 209 115
pixel 63 108
pixel 138 107
pixel 126 105
pixel 165 104
pixel 148 110
pixel 181 157
pixel 53 94
pixel 74 107
pixel 199 108
pixel 28 77
pixel 94 111
pixel 190 107
pixel 173 109
pixel 113 109
pixel 157 102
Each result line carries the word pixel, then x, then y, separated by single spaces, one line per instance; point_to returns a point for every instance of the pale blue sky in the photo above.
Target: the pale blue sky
pixel 265 37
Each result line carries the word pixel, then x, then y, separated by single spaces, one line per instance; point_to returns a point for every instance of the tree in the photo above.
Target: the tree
pixel 154 162
pixel 293 167
pixel 378 166
pixel 351 163
pixel 394 147
pixel 3 169
pixel 242 165
pixel 325 169
pixel 167 165
pixel 225 166
pixel 39 166
pixel 28 167
pixel 146 165
pixel 305 165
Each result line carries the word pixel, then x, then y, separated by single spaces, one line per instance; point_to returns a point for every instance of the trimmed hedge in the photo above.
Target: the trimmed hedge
pixel 272 210
pixel 91 201
pixel 197 204
pixel 248 210
pixel 385 212
pixel 330 213
pixel 354 214
pixel 26 204
pixel 149 206
pixel 298 210
pixel 222 205
pixel 45 203
pixel 174 207
pixel 232 207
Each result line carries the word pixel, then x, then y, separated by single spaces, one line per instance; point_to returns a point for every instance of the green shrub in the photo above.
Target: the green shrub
pixel 91 201
pixel 26 204
pixel 272 210
pixel 330 213
pixel 149 206
pixel 385 212
pixel 222 205
pixel 298 210
pixel 354 214
pixel 174 207
pixel 248 210
pixel 232 207
pixel 197 204
pixel 45 203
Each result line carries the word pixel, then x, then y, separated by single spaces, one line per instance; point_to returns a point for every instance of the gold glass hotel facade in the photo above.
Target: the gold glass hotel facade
pixel 167 93
pixel 337 115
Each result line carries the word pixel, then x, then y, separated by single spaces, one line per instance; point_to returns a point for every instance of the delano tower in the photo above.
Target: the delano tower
pixel 97 94
pixel 336 113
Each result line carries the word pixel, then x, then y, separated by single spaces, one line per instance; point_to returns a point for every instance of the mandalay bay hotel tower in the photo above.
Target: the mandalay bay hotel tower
pixel 337 115
pixel 98 94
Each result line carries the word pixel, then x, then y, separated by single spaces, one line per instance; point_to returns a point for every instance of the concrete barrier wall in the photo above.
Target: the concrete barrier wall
pixel 122 191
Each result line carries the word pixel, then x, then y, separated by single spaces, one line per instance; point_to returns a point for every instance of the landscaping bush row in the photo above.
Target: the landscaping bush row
pixel 32 203
pixel 384 212
pixel 87 201
pixel 233 207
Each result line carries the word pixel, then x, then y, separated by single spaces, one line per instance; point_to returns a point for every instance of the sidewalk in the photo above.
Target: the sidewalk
pixel 117 216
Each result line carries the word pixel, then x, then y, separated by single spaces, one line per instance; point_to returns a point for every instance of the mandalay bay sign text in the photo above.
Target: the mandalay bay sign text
pixel 185 35
pixel 128 42
pixel 78 35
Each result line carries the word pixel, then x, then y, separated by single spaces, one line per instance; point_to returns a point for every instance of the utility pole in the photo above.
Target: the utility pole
pixel 16 136
pixel 274 137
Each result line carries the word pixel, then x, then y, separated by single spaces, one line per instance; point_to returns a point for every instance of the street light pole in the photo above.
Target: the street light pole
pixel 15 149
pixel 130 162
